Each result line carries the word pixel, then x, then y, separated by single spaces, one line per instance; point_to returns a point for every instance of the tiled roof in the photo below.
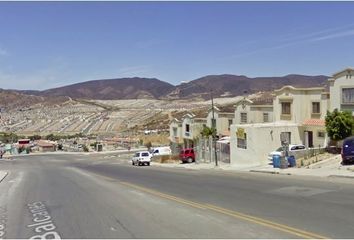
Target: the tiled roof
pixel 314 122
pixel 265 98
pixel 227 108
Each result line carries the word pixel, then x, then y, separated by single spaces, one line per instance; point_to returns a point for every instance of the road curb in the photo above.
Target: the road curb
pixel 269 172
pixel 341 176
pixel 3 177
pixel 264 171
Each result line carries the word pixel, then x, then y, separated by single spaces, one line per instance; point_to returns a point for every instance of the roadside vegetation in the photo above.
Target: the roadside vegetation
pixel 339 125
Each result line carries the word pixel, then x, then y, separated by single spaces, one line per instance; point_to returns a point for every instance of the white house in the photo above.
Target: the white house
pixel 176 133
pixel 258 110
pixel 192 126
pixel 221 119
pixel 297 115
pixel 342 90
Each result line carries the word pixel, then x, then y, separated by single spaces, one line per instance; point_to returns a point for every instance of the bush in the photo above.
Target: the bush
pixel 148 145
pixel 339 125
pixel 85 148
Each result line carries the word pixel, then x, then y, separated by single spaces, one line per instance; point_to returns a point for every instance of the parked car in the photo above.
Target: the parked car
pixel 348 150
pixel 141 158
pixel 279 151
pixel 187 155
pixel 161 151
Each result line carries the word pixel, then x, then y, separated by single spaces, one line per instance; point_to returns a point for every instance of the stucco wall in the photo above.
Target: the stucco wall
pixel 254 113
pixel 179 132
pixel 222 123
pixel 261 140
pixel 336 91
pixel 301 104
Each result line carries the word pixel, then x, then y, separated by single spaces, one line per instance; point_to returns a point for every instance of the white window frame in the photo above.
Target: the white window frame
pixel 265 117
pixel 351 98
pixel 319 107
pixel 242 119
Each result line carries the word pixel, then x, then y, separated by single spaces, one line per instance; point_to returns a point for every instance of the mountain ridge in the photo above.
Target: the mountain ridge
pixel 152 88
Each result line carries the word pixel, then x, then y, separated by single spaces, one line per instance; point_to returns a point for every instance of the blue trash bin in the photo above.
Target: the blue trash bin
pixel 292 161
pixel 276 161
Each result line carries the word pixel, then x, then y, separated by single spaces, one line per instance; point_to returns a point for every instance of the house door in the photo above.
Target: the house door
pixel 310 139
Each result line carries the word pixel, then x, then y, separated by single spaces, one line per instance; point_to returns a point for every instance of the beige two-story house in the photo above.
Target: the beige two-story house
pixel 176 138
pixel 258 110
pixel 297 115
pixel 221 119
pixel 342 90
pixel 192 125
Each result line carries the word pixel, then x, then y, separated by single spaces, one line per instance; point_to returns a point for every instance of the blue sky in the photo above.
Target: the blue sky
pixel 50 44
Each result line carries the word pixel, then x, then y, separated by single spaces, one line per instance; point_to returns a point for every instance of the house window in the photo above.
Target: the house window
pixel 348 95
pixel 285 108
pixel 213 123
pixel 265 117
pixel 242 142
pixel 187 130
pixel 230 123
pixel 321 134
pixel 174 131
pixel 316 108
pixel 243 117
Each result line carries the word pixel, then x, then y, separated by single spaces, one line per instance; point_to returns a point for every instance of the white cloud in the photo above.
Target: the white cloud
pixel 322 35
pixel 334 35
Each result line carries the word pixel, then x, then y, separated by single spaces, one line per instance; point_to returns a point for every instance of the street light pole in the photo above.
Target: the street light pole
pixel 213 126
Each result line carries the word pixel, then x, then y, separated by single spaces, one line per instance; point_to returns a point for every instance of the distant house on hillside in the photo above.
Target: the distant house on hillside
pixel 46 146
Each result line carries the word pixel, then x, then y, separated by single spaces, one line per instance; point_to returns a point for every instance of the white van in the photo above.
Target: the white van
pixel 161 151
pixel 141 158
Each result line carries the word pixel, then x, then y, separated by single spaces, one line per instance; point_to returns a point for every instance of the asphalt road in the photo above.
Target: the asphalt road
pixel 98 196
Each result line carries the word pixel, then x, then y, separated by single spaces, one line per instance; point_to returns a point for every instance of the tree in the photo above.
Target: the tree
pixel 207 131
pixel 339 125
pixel 35 137
pixel 148 145
pixel 85 148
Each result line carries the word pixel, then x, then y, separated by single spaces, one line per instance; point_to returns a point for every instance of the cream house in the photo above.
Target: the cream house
pixel 176 132
pixel 221 119
pixel 342 90
pixel 192 126
pixel 259 110
pixel 297 115
pixel 306 107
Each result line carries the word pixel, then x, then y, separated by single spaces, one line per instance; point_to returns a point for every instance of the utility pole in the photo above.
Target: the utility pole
pixel 213 126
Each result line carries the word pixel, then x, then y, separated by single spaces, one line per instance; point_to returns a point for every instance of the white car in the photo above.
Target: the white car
pixel 279 151
pixel 141 158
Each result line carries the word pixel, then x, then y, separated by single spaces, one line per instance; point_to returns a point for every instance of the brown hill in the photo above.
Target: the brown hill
pixel 131 88
pixel 123 88
pixel 12 99
pixel 233 85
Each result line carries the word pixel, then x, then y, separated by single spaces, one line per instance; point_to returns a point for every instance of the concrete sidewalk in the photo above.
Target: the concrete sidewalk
pixel 3 174
pixel 327 168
